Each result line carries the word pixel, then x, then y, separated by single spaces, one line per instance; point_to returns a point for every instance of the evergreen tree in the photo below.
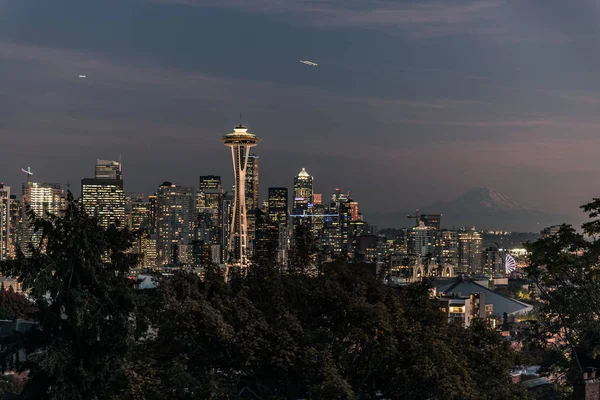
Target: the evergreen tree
pixel 85 307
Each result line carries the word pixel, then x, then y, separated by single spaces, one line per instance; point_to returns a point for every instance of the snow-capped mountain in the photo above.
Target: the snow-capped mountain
pixel 482 208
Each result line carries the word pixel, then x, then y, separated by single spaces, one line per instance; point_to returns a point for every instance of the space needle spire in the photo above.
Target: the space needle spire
pixel 240 141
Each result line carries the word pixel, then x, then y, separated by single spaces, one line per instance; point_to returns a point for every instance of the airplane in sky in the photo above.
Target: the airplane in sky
pixel 312 64
pixel 82 76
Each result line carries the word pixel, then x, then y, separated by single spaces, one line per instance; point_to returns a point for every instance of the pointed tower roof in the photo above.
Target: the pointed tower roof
pixel 303 174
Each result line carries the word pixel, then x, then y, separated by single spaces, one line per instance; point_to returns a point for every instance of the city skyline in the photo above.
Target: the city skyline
pixel 462 88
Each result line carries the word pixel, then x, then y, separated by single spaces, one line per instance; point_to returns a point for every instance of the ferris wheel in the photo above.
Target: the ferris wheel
pixel 510 265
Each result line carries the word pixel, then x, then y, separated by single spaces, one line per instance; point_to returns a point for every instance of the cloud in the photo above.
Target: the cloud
pixel 423 18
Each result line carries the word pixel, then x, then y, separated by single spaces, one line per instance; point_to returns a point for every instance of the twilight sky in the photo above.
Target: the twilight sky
pixel 413 101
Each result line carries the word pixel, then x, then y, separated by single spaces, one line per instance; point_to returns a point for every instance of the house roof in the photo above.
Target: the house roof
pixel 502 304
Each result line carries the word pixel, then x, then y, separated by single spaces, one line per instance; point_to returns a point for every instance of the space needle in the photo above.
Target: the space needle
pixel 240 141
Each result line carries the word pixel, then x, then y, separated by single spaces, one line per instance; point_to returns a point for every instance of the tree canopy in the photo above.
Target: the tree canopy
pixel 337 332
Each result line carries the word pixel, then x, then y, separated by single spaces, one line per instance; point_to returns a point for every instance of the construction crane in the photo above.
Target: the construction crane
pixel 416 217
pixel 28 173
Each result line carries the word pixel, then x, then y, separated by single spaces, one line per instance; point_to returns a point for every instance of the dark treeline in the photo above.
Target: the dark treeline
pixel 336 332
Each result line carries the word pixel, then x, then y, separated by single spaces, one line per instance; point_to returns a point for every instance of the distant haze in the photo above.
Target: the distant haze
pixel 481 208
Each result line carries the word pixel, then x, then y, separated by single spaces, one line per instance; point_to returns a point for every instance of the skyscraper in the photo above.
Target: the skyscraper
pixel 240 141
pixel 102 196
pixel 252 197
pixel 470 257
pixel 42 199
pixel 277 210
pixel 15 225
pixel 303 191
pixel 5 234
pixel 175 222
pixel 252 183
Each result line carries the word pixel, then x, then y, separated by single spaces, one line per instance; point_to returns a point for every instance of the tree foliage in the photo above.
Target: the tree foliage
pixel 85 307
pixel 336 332
pixel 565 269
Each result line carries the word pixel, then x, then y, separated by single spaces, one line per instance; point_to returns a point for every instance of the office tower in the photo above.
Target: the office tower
pixel 209 182
pixel 209 203
pixel 226 215
pixel 5 234
pixel 106 169
pixel 449 248
pixel 354 214
pixel 422 241
pixel 42 199
pixel 469 252
pixel 278 205
pixel 102 197
pixel 153 200
pixel 494 262
pixel 252 191
pixel 15 225
pixel 140 213
pixel 252 187
pixel 175 222
pixel 277 210
pixel 240 141
pixel 432 220
pixel 266 242
pixel 317 199
pixel 303 192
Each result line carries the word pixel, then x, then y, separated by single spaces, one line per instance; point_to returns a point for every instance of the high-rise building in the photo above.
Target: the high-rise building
pixel 141 213
pixel 102 196
pixel 303 192
pixel 42 199
pixel 106 169
pixel 240 141
pixel 15 225
pixel 175 222
pixel 5 225
pixel 266 244
pixel 432 220
pixel 252 187
pixel 209 182
pixel 252 197
pixel 422 241
pixel 449 248
pixel 278 205
pixel 278 212
pixel 470 257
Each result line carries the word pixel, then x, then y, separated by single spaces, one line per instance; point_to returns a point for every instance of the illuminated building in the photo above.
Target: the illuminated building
pixel 432 220
pixel 5 234
pixel 470 257
pixel 15 225
pixel 449 247
pixel 317 199
pixel 102 197
pixel 209 182
pixel 140 213
pixel 240 141
pixel 303 192
pixel 354 215
pixel 278 205
pixel 42 198
pixel 252 192
pixel 422 241
pixel 277 210
pixel 266 242
pixel 175 222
